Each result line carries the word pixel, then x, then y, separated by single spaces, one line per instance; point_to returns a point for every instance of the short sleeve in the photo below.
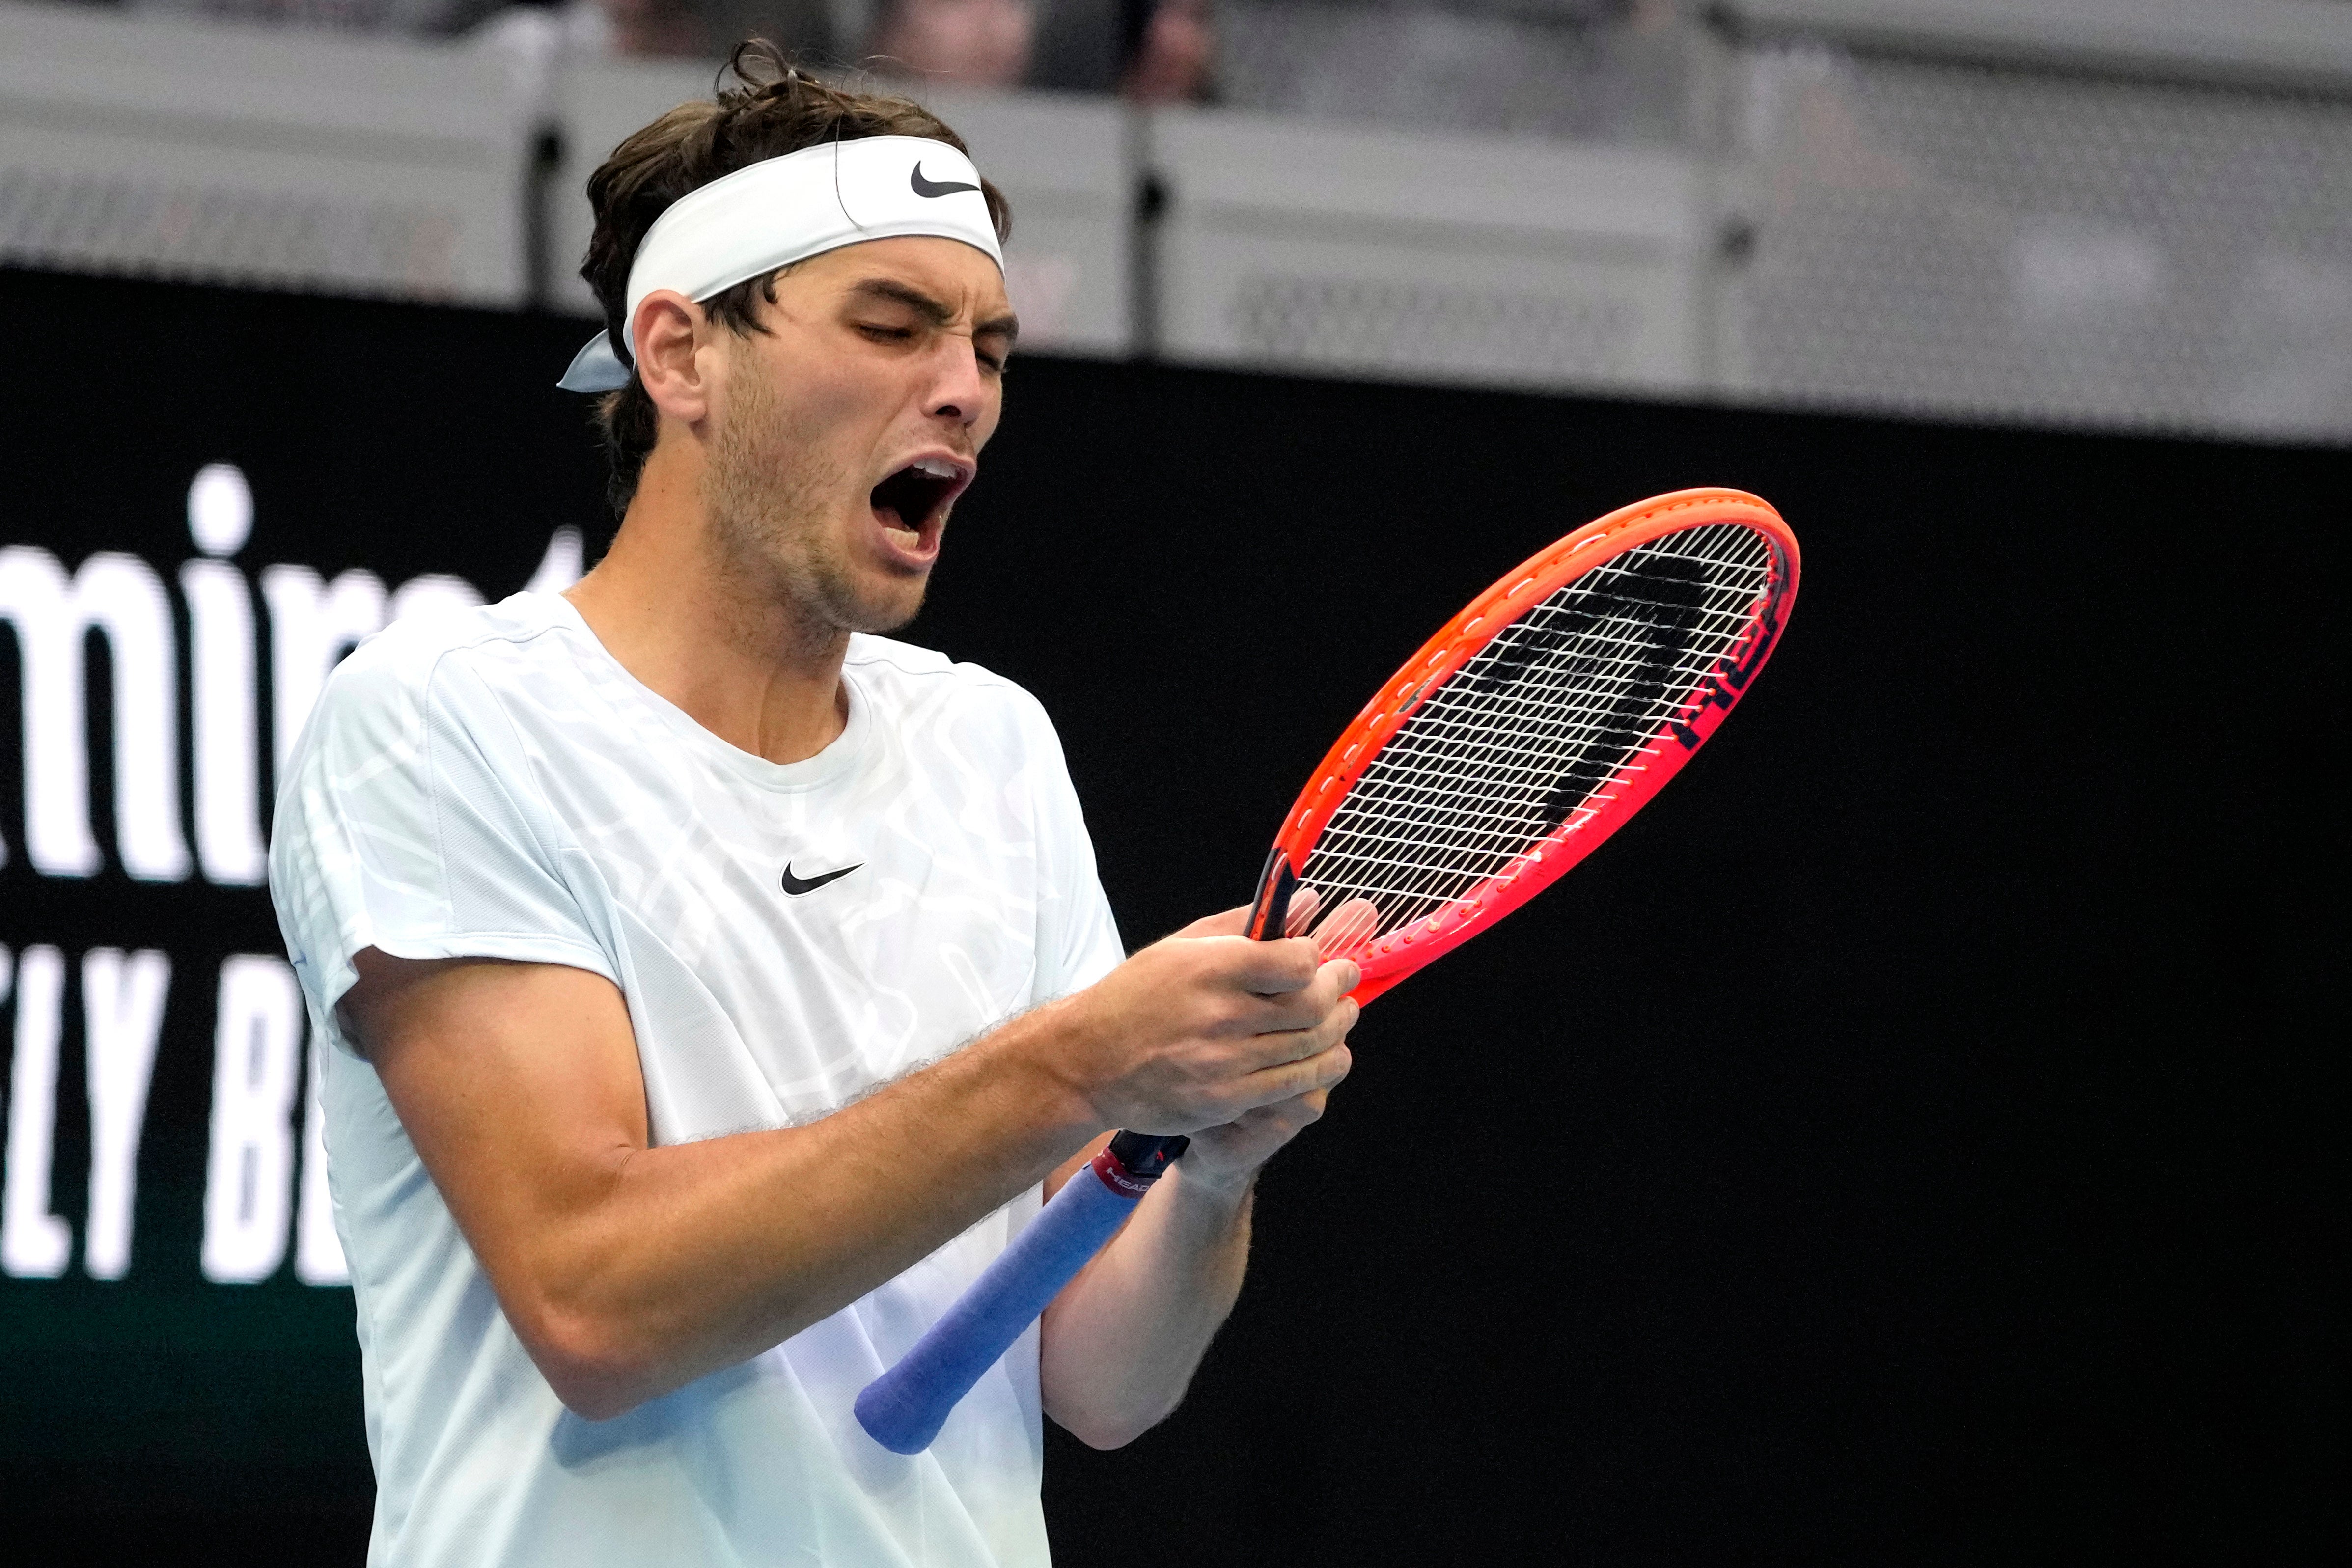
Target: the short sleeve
pixel 409 822
pixel 1077 938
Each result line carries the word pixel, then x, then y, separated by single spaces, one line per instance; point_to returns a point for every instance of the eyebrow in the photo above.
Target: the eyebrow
pixel 1007 326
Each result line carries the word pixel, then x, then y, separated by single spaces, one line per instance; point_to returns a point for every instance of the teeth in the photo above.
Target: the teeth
pixel 936 467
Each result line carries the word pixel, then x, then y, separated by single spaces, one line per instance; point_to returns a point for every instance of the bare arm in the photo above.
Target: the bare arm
pixel 1121 1344
pixel 629 1270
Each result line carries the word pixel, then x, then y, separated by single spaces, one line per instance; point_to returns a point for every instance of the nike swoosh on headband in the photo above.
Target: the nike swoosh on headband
pixel 934 187
pixel 786 209
pixel 796 885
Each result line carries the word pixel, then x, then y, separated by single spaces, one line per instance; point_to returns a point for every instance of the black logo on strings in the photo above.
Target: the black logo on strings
pixel 796 885
pixel 935 187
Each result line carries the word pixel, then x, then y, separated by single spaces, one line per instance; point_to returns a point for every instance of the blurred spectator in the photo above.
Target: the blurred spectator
pixel 700 29
pixel 1177 51
pixel 1607 70
pixel 538 34
pixel 1614 70
pixel 350 15
pixel 707 29
pixel 1160 51
pixel 966 43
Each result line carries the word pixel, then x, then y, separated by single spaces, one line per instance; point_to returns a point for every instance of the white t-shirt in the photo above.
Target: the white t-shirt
pixel 495 784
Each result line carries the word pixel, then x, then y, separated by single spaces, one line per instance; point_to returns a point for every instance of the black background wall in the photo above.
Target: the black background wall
pixel 1906 1142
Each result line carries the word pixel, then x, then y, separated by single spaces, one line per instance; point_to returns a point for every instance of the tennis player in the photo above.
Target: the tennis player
pixel 711 985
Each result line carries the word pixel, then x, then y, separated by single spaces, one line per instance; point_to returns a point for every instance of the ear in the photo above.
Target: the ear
pixel 668 328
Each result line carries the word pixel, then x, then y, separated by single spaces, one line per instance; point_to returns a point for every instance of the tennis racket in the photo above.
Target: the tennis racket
pixel 1521 735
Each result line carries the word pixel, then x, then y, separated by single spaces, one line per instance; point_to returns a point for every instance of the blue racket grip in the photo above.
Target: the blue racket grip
pixel 904 1407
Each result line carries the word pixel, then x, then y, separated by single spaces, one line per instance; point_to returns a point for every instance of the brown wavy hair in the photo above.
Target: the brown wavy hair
pixel 776 107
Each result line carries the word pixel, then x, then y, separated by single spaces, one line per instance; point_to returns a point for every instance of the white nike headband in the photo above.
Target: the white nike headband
pixel 783 210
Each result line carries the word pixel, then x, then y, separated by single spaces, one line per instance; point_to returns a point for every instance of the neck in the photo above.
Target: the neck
pixel 738 657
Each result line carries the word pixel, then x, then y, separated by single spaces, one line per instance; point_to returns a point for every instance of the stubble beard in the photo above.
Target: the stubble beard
pixel 770 507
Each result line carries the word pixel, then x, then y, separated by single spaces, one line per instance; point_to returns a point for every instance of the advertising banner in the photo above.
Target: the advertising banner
pixel 211 496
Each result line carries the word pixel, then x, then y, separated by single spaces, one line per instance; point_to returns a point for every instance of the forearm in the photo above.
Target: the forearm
pixel 668 1264
pixel 628 1270
pixel 1121 1344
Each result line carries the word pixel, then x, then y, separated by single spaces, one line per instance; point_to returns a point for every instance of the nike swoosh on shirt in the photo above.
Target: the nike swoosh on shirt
pixel 796 885
pixel 935 187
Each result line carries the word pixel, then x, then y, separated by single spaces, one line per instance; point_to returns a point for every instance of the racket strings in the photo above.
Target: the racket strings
pixel 1533 730
pixel 1596 617
pixel 1592 657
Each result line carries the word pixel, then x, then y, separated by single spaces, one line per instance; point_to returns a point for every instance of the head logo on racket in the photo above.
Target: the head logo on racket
pixel 1531 728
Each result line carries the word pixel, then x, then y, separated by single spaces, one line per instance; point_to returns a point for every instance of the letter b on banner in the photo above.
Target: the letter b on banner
pixel 257 1063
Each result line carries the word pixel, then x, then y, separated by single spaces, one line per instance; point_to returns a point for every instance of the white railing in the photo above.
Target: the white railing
pixel 2125 214
pixel 1359 251
pixel 2121 212
pixel 2262 43
pixel 241 155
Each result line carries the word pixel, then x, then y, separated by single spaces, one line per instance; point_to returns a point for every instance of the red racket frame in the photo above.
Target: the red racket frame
pixel 1391 957
pixel 904 1408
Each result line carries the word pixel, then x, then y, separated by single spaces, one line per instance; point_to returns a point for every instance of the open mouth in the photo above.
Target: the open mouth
pixel 913 502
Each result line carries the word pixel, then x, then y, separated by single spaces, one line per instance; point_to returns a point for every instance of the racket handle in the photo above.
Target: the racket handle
pixel 904 1407
pixel 1270 909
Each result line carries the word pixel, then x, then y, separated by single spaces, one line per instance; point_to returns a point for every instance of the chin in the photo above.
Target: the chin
pixel 895 620
pixel 879 614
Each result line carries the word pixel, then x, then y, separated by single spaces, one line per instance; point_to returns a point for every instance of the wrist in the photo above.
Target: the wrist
pixel 1040 1053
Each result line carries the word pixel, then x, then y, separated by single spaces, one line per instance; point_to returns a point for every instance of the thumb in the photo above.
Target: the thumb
pixel 1225 923
pixel 1235 922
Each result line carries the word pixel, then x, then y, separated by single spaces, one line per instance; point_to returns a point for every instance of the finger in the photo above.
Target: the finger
pixel 1303 905
pixel 1341 975
pixel 1278 1085
pixel 1349 929
pixel 1275 1048
pixel 1285 1116
pixel 1301 1010
pixel 1307 1007
pixel 1320 1073
pixel 1255 1135
pixel 1268 968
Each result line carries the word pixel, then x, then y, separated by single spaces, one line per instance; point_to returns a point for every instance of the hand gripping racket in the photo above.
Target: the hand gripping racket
pixel 1504 752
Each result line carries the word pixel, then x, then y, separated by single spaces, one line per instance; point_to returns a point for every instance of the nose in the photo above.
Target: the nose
pixel 960 393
